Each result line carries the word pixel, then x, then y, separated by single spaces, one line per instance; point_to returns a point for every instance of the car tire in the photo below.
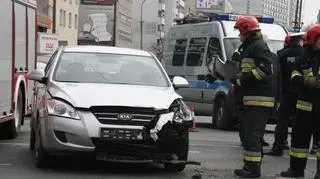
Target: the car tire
pixel 41 156
pixel 182 150
pixel 220 117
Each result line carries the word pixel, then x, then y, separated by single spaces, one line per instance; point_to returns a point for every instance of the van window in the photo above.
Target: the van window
pixel 196 51
pixel 179 52
pixel 214 48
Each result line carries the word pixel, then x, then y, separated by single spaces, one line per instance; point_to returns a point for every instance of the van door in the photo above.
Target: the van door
pixel 214 57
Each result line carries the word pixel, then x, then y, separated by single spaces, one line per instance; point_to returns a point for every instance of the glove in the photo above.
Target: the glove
pixel 313 82
pixel 236 80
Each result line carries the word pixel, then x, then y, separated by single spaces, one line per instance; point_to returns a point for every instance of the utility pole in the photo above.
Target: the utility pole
pixel 115 12
pixel 54 19
pixel 141 26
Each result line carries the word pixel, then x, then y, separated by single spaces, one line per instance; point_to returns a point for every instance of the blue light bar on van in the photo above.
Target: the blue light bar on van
pixel 234 17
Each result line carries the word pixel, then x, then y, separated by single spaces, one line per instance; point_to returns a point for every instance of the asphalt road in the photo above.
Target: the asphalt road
pixel 218 151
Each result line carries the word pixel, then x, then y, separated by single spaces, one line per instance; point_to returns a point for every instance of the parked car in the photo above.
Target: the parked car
pixel 115 103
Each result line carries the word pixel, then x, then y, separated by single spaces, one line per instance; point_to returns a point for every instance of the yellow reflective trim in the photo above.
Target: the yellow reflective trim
pixel 304 106
pixel 298 154
pixel 244 70
pixel 310 74
pixel 252 159
pixel 238 82
pixel 318 155
pixel 295 73
pixel 256 74
pixel 247 65
pixel 259 103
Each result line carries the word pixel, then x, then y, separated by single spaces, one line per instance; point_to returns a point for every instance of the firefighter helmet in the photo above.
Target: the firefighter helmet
pixel 312 34
pixel 247 24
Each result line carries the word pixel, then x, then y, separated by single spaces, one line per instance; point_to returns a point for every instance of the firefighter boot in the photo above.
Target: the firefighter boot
pixel 296 169
pixel 249 170
pixel 317 176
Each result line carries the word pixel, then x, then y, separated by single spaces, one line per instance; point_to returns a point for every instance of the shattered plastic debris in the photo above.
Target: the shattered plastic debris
pixel 164 119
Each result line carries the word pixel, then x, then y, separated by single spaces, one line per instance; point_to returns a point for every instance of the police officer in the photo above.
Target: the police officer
pixel 306 78
pixel 293 49
pixel 254 81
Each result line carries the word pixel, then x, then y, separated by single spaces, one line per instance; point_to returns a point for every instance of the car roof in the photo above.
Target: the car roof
pixel 106 49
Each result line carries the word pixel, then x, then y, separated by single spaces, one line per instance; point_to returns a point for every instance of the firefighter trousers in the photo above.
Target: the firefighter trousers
pixel 252 130
pixel 287 105
pixel 306 124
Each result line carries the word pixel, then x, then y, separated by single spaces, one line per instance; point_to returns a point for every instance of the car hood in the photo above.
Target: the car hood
pixel 87 95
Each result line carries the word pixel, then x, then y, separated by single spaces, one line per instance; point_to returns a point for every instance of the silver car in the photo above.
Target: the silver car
pixel 115 103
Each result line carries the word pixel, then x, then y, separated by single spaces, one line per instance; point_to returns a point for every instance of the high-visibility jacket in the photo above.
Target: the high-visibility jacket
pixel 256 73
pixel 308 96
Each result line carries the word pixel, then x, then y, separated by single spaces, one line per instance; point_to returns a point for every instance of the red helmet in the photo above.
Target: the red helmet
pixel 247 24
pixel 312 33
pixel 293 37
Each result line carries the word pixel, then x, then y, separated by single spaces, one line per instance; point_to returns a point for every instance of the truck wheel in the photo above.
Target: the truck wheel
pixel 182 152
pixel 220 116
pixel 41 156
pixel 11 128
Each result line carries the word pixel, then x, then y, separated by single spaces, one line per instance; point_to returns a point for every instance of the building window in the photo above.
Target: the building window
pixel 70 19
pixel 76 21
pixel 61 17
pixel 64 18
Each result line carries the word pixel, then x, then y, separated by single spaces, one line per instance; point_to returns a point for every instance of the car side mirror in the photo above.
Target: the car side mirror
pixel 37 75
pixel 180 82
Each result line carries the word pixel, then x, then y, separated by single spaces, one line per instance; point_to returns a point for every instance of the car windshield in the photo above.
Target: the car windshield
pixel 110 69
pixel 231 44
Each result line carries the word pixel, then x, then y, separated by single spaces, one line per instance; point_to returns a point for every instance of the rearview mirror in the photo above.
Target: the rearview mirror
pixel 179 82
pixel 37 75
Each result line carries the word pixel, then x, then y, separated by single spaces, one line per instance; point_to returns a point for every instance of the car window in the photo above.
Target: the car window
pixel 179 52
pixel 110 69
pixel 196 51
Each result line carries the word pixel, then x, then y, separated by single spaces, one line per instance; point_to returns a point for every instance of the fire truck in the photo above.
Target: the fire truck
pixel 17 57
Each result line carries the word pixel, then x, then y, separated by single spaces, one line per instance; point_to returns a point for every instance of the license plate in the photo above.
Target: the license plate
pixel 121 134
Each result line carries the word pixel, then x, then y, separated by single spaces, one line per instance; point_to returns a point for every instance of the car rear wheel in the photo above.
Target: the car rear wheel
pixel 182 152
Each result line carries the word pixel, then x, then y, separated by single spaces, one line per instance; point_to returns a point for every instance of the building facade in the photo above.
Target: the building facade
pixel 66 21
pixel 44 16
pixel 96 23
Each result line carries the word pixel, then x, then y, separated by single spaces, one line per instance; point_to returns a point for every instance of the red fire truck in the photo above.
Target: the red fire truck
pixel 17 58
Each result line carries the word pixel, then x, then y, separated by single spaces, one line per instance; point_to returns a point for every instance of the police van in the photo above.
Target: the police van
pixel 197 44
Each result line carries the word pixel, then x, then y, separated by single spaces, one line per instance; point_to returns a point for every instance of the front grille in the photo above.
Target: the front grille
pixel 109 115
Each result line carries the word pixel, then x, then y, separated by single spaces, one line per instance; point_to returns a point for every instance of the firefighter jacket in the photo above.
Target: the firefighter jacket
pixel 287 58
pixel 306 78
pixel 256 75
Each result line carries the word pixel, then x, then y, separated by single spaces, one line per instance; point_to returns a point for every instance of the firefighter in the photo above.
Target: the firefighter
pixel 254 81
pixel 306 78
pixel 293 48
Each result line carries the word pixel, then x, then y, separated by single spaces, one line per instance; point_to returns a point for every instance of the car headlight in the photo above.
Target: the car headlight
pixel 181 111
pixel 58 108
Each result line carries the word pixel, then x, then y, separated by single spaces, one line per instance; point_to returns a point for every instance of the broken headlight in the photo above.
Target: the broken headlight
pixel 181 111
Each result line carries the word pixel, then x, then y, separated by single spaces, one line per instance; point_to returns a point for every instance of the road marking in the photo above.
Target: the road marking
pixel 14 144
pixel 221 146
pixel 5 164
pixel 194 152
